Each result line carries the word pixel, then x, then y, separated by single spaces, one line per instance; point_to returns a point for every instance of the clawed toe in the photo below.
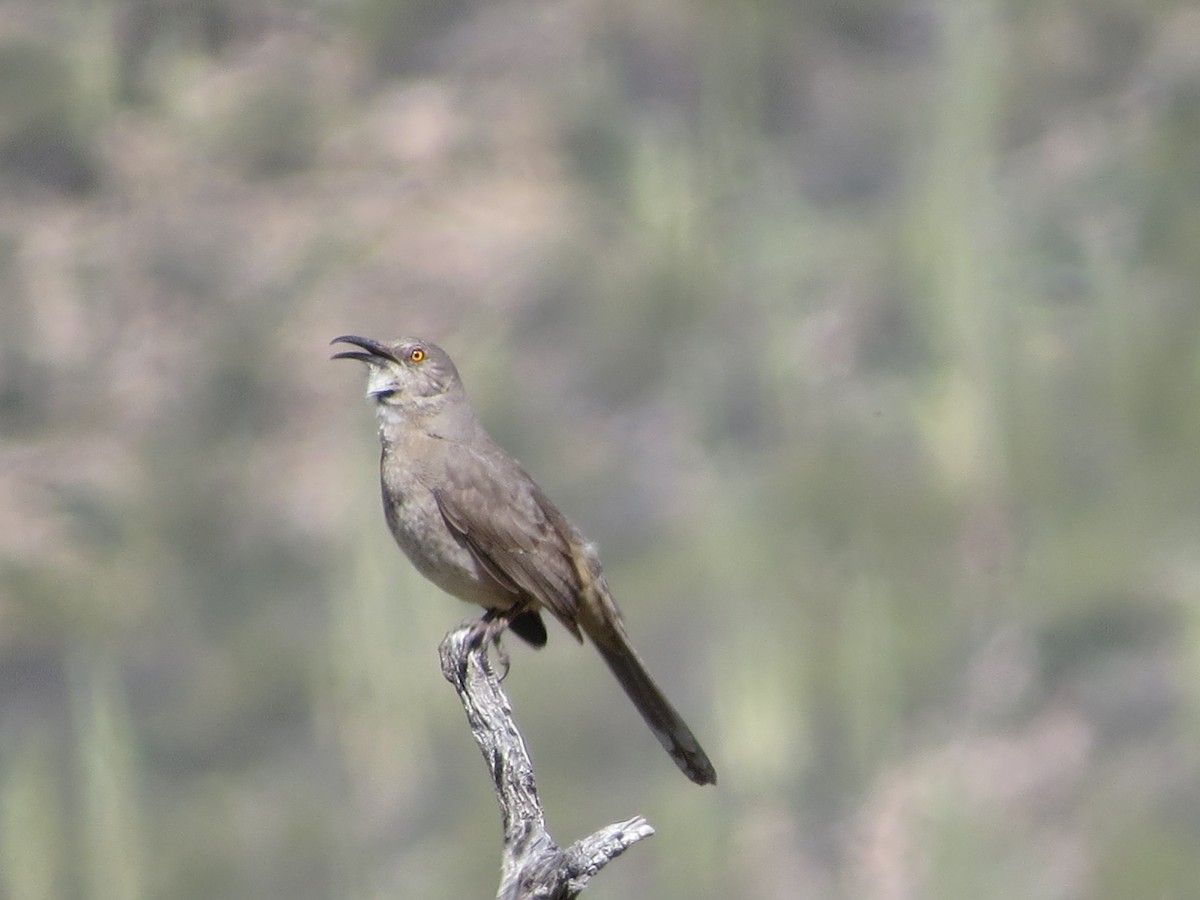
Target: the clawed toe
pixel 488 629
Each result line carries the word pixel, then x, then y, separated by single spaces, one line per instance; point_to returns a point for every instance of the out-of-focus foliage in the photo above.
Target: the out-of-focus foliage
pixel 862 336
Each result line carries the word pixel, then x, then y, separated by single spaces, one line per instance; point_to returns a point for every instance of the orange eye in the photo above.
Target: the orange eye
pixel 416 354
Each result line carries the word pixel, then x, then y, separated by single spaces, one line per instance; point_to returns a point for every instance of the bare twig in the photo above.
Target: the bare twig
pixel 533 866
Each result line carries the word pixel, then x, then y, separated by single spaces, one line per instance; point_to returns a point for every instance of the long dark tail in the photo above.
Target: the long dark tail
pixel 670 729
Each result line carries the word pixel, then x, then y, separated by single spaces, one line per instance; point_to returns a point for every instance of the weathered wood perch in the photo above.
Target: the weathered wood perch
pixel 532 865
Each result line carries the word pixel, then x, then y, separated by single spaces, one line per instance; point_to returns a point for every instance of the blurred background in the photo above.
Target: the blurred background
pixel 862 336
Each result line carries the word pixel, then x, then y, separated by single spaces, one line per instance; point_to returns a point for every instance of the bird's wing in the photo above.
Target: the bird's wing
pixel 512 529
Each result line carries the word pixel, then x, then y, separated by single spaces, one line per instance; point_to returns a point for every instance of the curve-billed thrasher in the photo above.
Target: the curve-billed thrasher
pixel 476 525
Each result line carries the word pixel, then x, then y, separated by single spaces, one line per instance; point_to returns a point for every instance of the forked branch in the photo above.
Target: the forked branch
pixel 533 866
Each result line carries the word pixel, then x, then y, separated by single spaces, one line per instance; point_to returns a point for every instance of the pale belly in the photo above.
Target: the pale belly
pixel 437 553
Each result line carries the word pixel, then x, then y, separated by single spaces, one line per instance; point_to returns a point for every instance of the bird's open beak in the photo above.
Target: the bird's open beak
pixel 376 352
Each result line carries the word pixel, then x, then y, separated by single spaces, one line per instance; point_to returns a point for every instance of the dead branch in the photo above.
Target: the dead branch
pixel 532 866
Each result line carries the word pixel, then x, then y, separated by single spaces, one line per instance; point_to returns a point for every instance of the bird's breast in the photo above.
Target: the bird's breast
pixel 438 553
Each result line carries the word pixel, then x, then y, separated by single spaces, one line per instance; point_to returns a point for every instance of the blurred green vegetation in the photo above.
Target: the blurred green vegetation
pixel 862 337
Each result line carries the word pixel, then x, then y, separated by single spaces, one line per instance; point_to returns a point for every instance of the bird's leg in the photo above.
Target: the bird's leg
pixel 501 655
pixel 488 629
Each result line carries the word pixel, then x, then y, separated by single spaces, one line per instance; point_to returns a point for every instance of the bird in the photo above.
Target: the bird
pixel 473 522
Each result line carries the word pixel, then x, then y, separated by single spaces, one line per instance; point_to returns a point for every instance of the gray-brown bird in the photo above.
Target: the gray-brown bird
pixel 475 524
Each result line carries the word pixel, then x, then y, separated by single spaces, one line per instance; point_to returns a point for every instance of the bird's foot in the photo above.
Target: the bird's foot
pixel 488 629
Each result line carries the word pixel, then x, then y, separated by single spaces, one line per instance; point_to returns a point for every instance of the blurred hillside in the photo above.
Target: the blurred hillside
pixel 863 338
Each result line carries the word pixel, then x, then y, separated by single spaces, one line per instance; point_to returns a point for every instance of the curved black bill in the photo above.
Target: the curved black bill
pixel 375 350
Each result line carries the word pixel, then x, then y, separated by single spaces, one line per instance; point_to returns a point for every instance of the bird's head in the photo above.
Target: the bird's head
pixel 405 375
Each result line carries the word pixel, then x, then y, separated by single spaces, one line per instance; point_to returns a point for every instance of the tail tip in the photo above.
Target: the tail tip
pixel 699 770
